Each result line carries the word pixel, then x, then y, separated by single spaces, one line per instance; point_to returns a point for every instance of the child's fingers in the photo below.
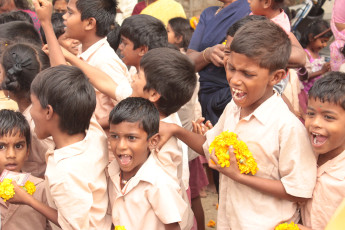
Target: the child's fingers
pixel 208 124
pixel 213 162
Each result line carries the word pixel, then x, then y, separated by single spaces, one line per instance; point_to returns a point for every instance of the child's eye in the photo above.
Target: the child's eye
pixel 328 117
pixel 2 147
pixel 132 138
pixel 19 146
pixel 114 136
pixel 310 114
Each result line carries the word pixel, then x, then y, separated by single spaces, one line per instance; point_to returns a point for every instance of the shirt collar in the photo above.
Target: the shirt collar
pixel 92 49
pixel 334 167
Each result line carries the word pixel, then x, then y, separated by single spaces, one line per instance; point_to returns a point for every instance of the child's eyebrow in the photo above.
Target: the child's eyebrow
pixel 21 142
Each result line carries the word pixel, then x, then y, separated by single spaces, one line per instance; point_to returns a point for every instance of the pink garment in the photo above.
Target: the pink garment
pixel 337 58
pixel 198 178
pixel 316 65
pixel 283 21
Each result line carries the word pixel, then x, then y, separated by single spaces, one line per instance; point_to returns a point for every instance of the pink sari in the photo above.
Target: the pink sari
pixel 337 58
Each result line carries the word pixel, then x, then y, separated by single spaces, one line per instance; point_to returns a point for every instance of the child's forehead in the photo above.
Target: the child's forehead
pixel 324 104
pixel 13 134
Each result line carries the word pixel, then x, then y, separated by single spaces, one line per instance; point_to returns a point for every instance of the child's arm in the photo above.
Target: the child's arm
pixel 173 226
pixel 268 186
pixel 193 140
pixel 22 197
pixel 325 68
pixel 44 10
pixel 297 56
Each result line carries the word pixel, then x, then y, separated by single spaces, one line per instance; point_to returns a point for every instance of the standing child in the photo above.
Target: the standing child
pixel 179 33
pixel 20 64
pixel 141 194
pixel 14 150
pixel 63 102
pixel 254 63
pixel 325 122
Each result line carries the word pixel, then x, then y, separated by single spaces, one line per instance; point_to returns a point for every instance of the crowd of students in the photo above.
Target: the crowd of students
pixel 107 122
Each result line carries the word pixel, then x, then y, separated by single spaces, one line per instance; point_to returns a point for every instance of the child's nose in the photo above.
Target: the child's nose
pixel 10 153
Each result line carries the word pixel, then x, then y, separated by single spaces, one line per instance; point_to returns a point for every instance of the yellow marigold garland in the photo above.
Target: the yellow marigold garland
pixel 211 224
pixel 119 227
pixel 245 160
pixel 7 188
pixel 286 226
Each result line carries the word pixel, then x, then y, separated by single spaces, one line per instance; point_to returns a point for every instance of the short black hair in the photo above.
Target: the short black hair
pixel 182 28
pixel 12 122
pixel 21 63
pixel 330 88
pixel 70 94
pixel 18 31
pixel 58 26
pixel 104 11
pixel 315 28
pixel 114 37
pixel 238 24
pixel 144 30
pixel 136 109
pixel 265 42
pixel 16 15
pixel 172 75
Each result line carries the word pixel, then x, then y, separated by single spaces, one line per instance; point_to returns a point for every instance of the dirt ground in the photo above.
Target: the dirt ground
pixel 209 204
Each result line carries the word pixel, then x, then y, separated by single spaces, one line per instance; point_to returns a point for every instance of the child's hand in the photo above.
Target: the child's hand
pixel 165 132
pixel 201 128
pixel 326 67
pixel 68 55
pixel 232 171
pixel 43 10
pixel 20 196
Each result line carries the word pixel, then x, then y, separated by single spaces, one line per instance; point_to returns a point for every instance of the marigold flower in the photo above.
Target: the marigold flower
pixel 119 227
pixel 245 160
pixel 6 189
pixel 194 22
pixel 211 224
pixel 286 226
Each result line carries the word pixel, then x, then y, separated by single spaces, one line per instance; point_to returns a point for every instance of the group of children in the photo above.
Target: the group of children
pixel 73 120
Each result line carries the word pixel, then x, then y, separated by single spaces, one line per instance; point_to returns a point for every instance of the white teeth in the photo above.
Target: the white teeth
pixel 315 134
pixel 237 91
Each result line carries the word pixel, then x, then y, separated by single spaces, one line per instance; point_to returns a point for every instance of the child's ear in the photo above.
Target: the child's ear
pixel 154 96
pixel 277 76
pixel 153 141
pixel 267 3
pixel 311 37
pixel 49 112
pixel 143 50
pixel 90 24
pixel 178 39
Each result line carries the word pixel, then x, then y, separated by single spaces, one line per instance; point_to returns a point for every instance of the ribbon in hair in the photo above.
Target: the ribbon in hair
pixel 18 64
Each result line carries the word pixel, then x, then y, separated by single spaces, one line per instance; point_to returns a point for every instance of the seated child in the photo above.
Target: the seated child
pixel 21 63
pixel 325 122
pixel 63 102
pixel 142 195
pixel 14 150
pixel 254 62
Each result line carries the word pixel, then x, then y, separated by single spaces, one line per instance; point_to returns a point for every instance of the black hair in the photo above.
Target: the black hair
pixel 22 4
pixel 265 42
pixel 136 109
pixel 104 11
pixel 172 75
pixel 330 88
pixel 18 31
pixel 277 4
pixel 16 15
pixel 313 29
pixel 238 24
pixel 21 63
pixel 144 30
pixel 12 122
pixel 58 26
pixel 114 37
pixel 67 90
pixel 182 28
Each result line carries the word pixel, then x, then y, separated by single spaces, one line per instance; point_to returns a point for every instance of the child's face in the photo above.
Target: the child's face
pixel 38 114
pixel 138 83
pixel 318 44
pixel 325 124
pixel 60 6
pixel 13 152
pixel 129 55
pixel 250 84
pixel 256 6
pixel 130 146
pixel 72 45
pixel 72 20
pixel 172 39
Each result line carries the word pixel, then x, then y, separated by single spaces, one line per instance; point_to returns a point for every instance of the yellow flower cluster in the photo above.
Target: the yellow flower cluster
pixel 245 160
pixel 194 22
pixel 7 188
pixel 119 227
pixel 286 226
